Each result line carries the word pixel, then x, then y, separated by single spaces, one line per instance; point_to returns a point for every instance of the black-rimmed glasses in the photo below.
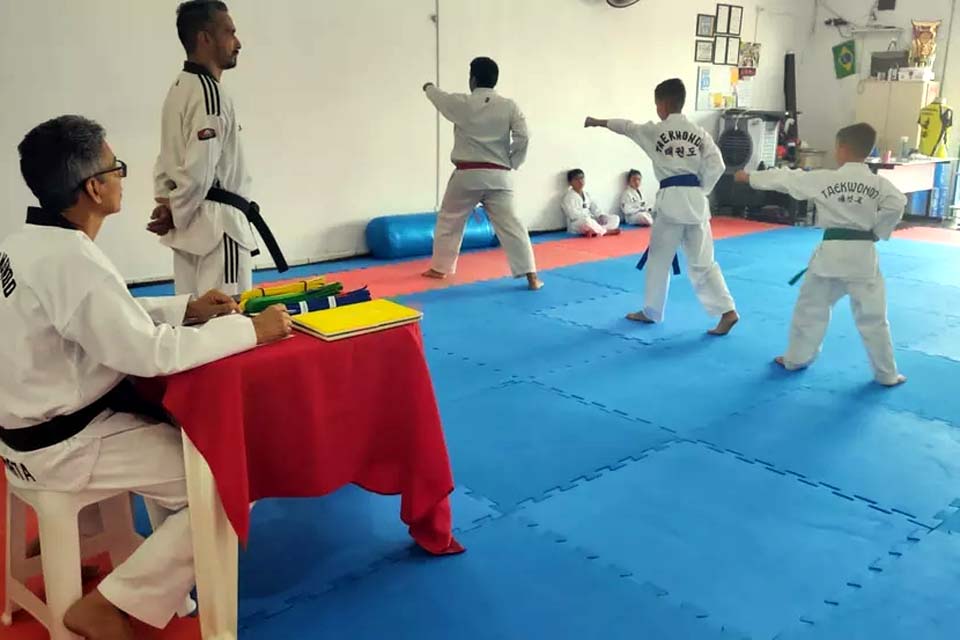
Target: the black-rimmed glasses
pixel 121 166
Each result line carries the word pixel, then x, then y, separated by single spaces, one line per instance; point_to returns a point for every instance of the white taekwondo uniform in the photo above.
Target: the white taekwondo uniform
pixel 584 216
pixel 682 152
pixel 490 141
pixel 849 198
pixel 73 335
pixel 200 148
pixel 634 208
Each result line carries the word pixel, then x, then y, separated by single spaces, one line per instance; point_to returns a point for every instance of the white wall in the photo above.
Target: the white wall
pixel 327 92
pixel 826 103
pixel 329 96
pixel 562 60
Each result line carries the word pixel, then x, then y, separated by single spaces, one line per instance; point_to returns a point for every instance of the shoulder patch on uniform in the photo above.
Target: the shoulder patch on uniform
pixel 206 134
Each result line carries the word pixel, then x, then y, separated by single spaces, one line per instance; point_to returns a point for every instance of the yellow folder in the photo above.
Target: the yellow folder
pixel 355 319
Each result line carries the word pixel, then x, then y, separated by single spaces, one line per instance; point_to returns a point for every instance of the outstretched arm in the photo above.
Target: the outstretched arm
pixel 642 134
pixel 450 105
pixel 799 184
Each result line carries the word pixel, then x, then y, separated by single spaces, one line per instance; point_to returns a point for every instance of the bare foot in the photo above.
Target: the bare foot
pixel 726 323
pixel 93 617
pixel 781 360
pixel 590 233
pixel 615 232
pixel 534 282
pixel 433 273
pixel 900 380
pixel 639 316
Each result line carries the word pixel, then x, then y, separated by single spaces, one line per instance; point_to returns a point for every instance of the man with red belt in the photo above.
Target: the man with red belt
pixel 490 141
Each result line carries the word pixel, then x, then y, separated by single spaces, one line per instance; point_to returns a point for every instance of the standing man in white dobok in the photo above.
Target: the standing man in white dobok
pixel 202 182
pixel 490 141
pixel 70 420
pixel 856 208
pixel 688 164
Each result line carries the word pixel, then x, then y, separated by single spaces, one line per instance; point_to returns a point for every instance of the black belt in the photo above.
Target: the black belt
pixel 123 398
pixel 251 210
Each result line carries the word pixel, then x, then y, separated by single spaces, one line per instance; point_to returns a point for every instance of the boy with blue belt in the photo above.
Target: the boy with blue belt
pixel 688 164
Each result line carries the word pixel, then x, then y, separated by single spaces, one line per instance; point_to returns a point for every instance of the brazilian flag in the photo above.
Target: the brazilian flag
pixel 845 59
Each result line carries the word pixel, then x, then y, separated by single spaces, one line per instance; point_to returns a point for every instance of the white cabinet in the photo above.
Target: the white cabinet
pixel 893 108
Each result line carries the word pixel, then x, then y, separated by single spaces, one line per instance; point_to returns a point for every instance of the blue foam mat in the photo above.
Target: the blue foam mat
pixel 915 597
pixel 457 376
pixel 513 584
pixel 929 391
pixel 685 384
pixel 754 548
pixel 538 440
pixel 520 343
pixel 849 442
pixel 299 547
pixel 504 293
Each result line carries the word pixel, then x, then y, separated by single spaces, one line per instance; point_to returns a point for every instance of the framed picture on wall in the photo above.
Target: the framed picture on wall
pixel 703 51
pixel 705 24
pixel 736 20
pixel 720 50
pixel 722 24
pixel 733 51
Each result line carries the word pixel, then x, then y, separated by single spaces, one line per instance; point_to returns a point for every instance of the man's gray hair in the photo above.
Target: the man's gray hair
pixel 56 157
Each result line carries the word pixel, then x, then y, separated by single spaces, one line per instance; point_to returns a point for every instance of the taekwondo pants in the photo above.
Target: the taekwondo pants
pixel 127 452
pixel 868 301
pixel 640 218
pixel 599 226
pixel 493 189
pixel 227 268
pixel 708 283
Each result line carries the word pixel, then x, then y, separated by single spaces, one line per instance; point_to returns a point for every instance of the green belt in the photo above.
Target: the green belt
pixel 256 305
pixel 840 234
pixel 849 234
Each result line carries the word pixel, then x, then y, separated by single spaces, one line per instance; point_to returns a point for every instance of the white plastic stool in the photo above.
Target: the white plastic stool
pixel 61 551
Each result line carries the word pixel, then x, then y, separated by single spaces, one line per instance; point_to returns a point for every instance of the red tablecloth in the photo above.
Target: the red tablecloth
pixel 305 417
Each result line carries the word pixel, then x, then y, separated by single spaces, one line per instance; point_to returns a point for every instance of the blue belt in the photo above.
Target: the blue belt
pixel 683 180
pixel 643 262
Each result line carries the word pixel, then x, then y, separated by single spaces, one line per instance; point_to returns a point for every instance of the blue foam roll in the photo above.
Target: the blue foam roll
pixel 409 235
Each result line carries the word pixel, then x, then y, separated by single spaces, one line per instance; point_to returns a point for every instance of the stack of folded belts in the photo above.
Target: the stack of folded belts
pixel 326 296
pixel 298 286
pixel 318 302
pixel 258 304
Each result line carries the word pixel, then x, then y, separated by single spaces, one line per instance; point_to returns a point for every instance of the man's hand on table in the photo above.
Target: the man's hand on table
pixel 210 305
pixel 272 324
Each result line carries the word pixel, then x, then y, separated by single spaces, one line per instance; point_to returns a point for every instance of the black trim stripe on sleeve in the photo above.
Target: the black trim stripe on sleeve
pixel 211 86
pixel 216 94
pixel 206 94
pixel 226 260
pixel 233 261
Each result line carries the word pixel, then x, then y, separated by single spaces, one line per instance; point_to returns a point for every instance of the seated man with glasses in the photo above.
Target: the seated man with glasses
pixel 70 420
